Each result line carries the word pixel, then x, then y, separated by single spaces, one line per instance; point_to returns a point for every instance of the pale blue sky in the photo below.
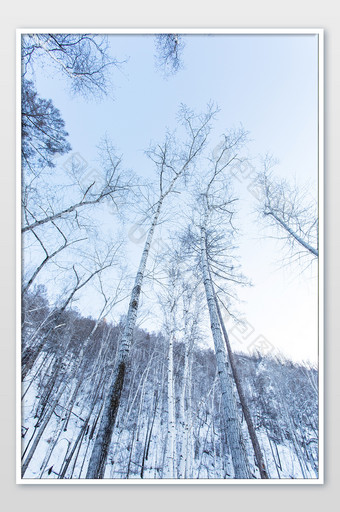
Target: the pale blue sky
pixel 266 82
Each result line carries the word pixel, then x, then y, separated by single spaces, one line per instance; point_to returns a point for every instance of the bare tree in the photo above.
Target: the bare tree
pixel 83 59
pixel 49 255
pixel 172 160
pixel 215 207
pixel 293 212
pixel 242 396
pixel 169 48
pixel 109 183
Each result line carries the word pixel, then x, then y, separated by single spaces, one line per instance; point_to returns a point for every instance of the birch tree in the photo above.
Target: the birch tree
pixel 293 212
pixel 192 317
pixel 182 310
pixel 169 468
pixel 214 204
pixel 234 433
pixel 247 415
pixel 172 161
pixel 223 273
pixel 281 397
pixel 170 306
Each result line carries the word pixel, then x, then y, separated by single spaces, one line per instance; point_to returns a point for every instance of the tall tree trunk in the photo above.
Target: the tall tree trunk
pixel 245 408
pixel 183 411
pixel 234 434
pixel 169 469
pixel 190 429
pixel 97 463
pixel 164 162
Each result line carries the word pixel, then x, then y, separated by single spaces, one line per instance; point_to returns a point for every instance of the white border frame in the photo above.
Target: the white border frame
pixel 318 32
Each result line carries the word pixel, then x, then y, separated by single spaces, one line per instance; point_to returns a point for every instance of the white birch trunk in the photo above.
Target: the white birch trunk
pixel 298 238
pixel 190 429
pixel 234 433
pixel 169 466
pixel 183 419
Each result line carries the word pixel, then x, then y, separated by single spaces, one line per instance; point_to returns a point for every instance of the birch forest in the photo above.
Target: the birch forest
pixel 132 275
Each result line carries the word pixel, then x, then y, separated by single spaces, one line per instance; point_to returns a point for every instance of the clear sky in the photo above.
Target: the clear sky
pixel 268 83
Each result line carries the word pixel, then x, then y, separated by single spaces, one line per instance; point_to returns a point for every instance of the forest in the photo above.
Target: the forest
pixel 130 284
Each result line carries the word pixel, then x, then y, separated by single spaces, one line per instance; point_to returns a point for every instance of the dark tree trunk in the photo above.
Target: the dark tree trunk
pixel 97 463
